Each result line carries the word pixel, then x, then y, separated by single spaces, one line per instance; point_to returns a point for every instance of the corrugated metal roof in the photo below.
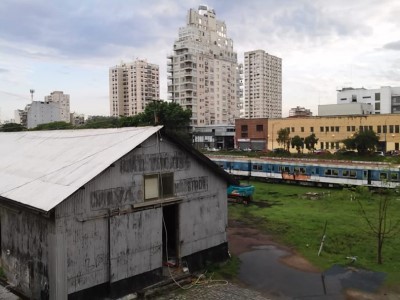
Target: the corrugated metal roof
pixel 42 168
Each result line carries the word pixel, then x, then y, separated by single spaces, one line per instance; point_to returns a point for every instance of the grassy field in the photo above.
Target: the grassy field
pixel 296 218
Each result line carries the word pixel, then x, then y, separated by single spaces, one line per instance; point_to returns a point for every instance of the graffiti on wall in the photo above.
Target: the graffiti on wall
pixel 164 161
pixel 191 185
pixel 111 198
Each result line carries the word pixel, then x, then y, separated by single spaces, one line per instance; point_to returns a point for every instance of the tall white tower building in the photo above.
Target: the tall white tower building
pixel 132 86
pixel 263 85
pixel 202 71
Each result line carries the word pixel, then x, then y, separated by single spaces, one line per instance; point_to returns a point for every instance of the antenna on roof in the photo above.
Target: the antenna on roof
pixel 32 91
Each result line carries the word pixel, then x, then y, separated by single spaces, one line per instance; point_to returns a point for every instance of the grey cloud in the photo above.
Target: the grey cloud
pixel 85 31
pixel 4 70
pixel 392 46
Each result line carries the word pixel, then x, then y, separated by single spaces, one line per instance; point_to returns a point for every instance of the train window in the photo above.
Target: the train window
pixel 353 173
pixel 303 170
pixel 383 176
pixel 296 169
pixel 345 173
pixel 221 166
pixel 328 172
pixel 257 167
pixel 279 168
pixel 394 177
pixel 335 172
pixel 286 169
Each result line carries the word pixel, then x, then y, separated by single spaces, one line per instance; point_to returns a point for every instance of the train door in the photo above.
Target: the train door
pixel 369 177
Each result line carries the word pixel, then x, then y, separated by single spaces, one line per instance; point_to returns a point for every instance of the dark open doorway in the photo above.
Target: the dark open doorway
pixel 170 233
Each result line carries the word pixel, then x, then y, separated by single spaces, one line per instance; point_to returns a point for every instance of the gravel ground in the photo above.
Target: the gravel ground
pixel 227 291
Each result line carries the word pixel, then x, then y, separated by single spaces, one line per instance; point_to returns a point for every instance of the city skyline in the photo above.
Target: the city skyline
pixel 70 46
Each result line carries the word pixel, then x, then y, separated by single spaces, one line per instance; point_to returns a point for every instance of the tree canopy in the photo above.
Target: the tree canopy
pixel 310 141
pixel 364 141
pixel 54 126
pixel 298 143
pixel 284 138
pixel 12 127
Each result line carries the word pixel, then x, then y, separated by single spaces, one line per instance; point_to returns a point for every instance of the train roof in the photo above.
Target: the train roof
pixel 309 162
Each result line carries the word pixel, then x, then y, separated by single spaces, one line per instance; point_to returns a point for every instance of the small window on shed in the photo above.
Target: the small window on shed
pixel 158 186
pixel 151 187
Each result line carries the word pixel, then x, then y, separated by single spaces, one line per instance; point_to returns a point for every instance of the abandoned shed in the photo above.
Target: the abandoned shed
pixel 96 213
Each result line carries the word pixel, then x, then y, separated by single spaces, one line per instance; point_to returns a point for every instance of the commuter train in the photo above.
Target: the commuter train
pixel 313 172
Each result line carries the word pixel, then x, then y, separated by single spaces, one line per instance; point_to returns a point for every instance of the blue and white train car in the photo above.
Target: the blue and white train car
pixel 312 171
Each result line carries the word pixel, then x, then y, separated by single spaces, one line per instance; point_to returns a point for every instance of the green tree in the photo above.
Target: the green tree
pixel 12 127
pixel 102 122
pixel 284 138
pixel 310 142
pixel 54 126
pixel 298 143
pixel 364 141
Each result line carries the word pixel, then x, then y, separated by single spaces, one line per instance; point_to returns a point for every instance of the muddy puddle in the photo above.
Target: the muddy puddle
pixel 263 268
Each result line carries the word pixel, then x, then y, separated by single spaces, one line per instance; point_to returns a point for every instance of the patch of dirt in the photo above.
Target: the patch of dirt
pixel 264 204
pixel 242 239
pixel 358 295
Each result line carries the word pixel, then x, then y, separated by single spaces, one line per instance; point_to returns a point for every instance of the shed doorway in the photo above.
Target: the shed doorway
pixel 170 235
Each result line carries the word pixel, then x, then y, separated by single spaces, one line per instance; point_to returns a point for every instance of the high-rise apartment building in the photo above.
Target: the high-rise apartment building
pixel 202 71
pixel 132 86
pixel 63 102
pixel 263 85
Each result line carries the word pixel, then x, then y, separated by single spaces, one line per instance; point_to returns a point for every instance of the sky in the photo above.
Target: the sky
pixel 70 45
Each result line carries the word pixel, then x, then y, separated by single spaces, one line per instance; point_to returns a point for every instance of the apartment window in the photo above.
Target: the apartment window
pixel 377 96
pixel 337 128
pixel 302 129
pixel 396 128
pixel 332 128
pixel 326 128
pixel 158 186
pixel 244 127
pixel 348 128
pixel 259 127
pixel 311 129
pixel 377 106
pixel 396 146
pixel 384 127
pixel 244 135
pixel 391 129
pixel 379 129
